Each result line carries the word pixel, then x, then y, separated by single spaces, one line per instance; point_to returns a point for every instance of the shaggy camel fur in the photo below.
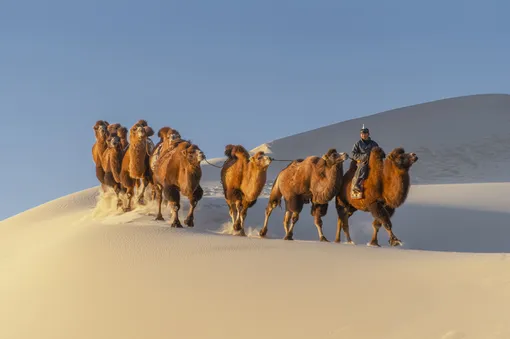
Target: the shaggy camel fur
pixel 385 189
pixel 314 179
pixel 101 134
pixel 122 132
pixel 243 178
pixel 112 164
pixel 168 138
pixel 177 172
pixel 135 164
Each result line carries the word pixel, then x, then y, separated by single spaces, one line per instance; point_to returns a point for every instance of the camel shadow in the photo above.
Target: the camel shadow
pixel 420 227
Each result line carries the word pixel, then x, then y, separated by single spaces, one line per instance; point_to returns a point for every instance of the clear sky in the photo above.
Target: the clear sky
pixel 205 66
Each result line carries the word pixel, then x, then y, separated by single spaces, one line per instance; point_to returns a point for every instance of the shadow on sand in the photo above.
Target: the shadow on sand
pixel 420 227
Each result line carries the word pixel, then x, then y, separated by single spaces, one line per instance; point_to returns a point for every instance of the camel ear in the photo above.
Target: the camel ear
pixel 183 152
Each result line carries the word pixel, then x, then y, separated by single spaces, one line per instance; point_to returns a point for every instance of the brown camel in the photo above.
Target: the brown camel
pixel 112 128
pixel 243 178
pixel 101 134
pixel 313 179
pixel 385 189
pixel 112 163
pixel 168 138
pixel 122 132
pixel 177 172
pixel 135 163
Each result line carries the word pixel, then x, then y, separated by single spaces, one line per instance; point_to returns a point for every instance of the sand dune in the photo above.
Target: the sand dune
pixel 75 268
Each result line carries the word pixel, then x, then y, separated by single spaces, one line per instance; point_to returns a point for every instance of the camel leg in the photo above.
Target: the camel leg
pixel 129 196
pixel 269 209
pixel 193 201
pixel 238 227
pixel 242 217
pixel 232 211
pixel 318 212
pixel 295 206
pixel 141 196
pixel 388 211
pixel 286 221
pixel 174 199
pixel 343 224
pixel 159 193
pixel 117 193
pixel 294 217
pixel 382 217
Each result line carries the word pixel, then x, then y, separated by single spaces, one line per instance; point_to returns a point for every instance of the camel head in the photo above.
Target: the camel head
pixel 401 159
pixel 113 141
pixel 113 128
pixel 332 157
pixel 101 130
pixel 122 132
pixel 261 160
pixel 193 154
pixel 141 131
pixel 173 135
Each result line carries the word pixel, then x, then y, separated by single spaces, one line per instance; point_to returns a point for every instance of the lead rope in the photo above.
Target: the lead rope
pixel 272 159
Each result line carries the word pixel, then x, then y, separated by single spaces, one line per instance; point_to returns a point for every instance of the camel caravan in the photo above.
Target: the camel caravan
pixel 373 183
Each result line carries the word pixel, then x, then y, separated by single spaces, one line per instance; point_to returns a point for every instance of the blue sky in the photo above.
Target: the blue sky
pixel 204 66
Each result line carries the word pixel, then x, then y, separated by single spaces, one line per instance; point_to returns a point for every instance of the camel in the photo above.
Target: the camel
pixel 243 178
pixel 177 172
pixel 112 163
pixel 112 128
pixel 101 134
pixel 313 179
pixel 168 138
pixel 385 189
pixel 122 132
pixel 135 163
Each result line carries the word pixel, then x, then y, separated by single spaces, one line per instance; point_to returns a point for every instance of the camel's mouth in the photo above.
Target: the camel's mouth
pixel 200 156
pixel 102 130
pixel 140 132
pixel 343 156
pixel 413 158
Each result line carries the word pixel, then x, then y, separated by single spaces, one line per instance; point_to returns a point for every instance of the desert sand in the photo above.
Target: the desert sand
pixel 76 268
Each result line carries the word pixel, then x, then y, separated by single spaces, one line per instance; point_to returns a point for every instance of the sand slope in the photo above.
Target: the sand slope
pixel 75 268
pixel 83 274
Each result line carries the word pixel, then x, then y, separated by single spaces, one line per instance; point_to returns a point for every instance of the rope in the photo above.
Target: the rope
pixel 272 159
pixel 212 164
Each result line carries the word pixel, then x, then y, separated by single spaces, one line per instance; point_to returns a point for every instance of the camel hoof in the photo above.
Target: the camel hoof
pixel 262 233
pixel 395 242
pixel 141 202
pixel 323 239
pixel 126 209
pixel 350 243
pixel 373 244
pixel 160 218
pixel 176 224
pixel 288 237
pixel 189 222
pixel 240 233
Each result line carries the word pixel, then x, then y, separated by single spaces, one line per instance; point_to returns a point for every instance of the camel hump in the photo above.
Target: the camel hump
pixel 236 151
pixel 228 150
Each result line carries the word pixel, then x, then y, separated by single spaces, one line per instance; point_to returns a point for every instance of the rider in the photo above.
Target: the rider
pixel 361 153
